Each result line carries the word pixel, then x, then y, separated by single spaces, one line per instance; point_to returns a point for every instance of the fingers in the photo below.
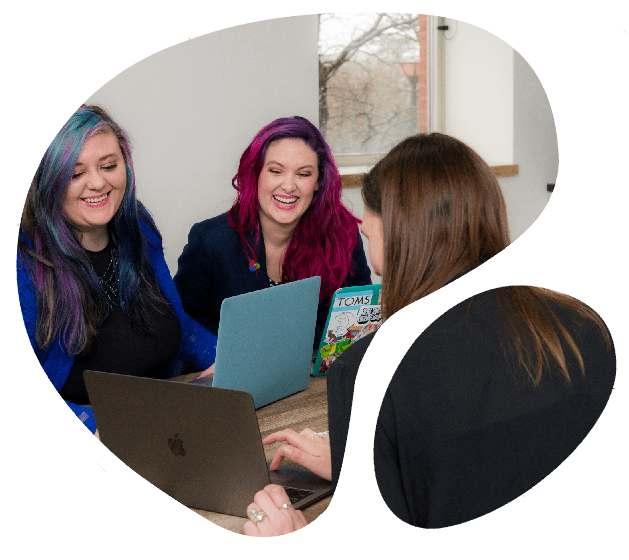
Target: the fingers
pixel 277 519
pixel 308 449
pixel 296 455
pixel 305 440
pixel 206 373
pixel 282 435
pixel 284 451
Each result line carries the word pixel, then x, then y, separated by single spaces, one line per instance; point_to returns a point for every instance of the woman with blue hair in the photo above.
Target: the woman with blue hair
pixel 94 287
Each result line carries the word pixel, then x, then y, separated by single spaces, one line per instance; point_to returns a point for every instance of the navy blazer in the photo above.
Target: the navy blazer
pixel 214 266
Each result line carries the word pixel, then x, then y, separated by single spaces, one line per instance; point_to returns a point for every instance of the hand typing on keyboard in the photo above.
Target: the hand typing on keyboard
pixel 271 512
pixel 308 449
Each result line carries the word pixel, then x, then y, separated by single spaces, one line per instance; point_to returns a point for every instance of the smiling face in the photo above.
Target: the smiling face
pixel 96 189
pixel 287 183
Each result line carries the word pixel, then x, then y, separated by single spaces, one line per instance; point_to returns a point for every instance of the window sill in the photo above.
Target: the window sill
pixel 350 176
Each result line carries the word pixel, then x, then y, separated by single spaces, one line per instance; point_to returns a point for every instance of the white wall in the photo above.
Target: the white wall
pixel 535 150
pixel 479 91
pixel 495 103
pixel 193 108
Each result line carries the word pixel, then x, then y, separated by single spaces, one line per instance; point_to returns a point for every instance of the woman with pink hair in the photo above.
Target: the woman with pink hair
pixel 288 223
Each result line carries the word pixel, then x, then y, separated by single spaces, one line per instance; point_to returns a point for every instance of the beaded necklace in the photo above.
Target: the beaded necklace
pixel 109 280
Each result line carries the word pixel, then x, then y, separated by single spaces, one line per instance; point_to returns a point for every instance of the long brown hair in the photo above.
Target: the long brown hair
pixel 443 213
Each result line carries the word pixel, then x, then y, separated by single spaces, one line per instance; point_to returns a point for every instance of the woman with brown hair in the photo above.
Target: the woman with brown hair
pixel 499 390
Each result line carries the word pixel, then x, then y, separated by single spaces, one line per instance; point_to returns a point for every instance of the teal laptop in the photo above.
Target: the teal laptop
pixel 265 341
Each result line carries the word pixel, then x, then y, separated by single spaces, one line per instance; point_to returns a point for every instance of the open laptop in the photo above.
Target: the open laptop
pixel 265 341
pixel 200 445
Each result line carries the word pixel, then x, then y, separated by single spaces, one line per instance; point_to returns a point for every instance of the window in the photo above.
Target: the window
pixel 373 82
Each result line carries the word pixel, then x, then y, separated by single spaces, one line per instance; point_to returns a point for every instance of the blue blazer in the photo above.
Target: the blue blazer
pixel 214 266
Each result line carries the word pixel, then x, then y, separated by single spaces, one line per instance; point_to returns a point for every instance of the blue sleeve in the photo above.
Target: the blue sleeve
pixel 198 345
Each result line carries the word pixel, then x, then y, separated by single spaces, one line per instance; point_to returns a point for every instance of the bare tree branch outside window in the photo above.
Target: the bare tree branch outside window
pixel 368 80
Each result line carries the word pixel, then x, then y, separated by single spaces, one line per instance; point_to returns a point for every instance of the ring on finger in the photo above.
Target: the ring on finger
pixel 256 515
pixel 320 434
pixel 287 505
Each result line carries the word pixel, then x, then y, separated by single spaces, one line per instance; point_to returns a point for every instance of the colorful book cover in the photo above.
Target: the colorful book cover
pixel 354 313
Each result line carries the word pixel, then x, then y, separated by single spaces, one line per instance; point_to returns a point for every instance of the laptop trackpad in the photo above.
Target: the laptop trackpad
pixel 303 486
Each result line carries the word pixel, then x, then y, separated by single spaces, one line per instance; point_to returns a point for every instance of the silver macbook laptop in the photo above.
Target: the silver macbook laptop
pixel 200 445
pixel 265 341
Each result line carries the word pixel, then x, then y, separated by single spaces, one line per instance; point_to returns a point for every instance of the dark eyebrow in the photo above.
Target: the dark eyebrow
pixel 278 163
pixel 99 159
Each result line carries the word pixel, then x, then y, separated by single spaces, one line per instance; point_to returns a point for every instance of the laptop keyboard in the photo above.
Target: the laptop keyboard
pixel 296 494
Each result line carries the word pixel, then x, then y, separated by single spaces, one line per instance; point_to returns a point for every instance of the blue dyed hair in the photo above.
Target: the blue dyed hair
pixel 71 300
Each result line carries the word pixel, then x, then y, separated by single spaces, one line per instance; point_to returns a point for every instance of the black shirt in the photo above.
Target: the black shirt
pixel 123 348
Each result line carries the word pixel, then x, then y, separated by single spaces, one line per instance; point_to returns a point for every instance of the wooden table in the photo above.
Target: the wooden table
pixel 306 409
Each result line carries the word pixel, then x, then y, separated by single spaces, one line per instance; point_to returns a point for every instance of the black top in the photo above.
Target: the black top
pixel 120 347
pixel 459 434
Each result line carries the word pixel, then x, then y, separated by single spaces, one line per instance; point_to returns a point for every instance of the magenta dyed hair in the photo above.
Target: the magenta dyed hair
pixel 325 237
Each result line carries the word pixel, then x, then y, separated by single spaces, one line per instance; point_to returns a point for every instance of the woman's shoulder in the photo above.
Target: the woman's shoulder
pixel 585 325
pixel 215 224
pixel 214 230
pixel 149 229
